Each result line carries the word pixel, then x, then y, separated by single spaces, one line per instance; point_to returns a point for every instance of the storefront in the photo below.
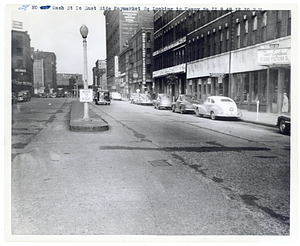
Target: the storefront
pixel 256 74
pixel 171 80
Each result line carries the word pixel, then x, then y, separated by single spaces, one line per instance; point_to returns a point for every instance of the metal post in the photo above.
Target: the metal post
pixel 257 109
pixel 84 32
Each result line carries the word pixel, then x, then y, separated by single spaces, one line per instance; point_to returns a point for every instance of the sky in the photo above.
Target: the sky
pixel 58 32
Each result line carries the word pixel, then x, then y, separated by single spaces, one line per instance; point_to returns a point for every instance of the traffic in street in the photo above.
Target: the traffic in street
pixel 154 172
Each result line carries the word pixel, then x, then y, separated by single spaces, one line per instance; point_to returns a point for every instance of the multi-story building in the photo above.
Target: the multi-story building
pixel 38 76
pixel 99 75
pixel 71 83
pixel 135 63
pixel 245 55
pixel 49 68
pixel 21 61
pixel 120 26
pixel 170 30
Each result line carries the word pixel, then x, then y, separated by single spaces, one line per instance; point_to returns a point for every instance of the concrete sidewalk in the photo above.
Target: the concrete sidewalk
pixel 262 118
pixel 77 124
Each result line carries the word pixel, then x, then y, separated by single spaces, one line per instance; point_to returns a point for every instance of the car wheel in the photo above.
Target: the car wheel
pixel 212 115
pixel 181 110
pixel 282 127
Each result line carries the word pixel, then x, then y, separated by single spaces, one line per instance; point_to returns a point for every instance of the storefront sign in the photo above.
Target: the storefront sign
pixel 274 56
pixel 116 66
pixel 163 72
pixel 171 46
pixel 86 95
pixel 144 56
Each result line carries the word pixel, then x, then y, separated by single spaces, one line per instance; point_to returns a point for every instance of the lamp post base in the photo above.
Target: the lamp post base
pixel 86 116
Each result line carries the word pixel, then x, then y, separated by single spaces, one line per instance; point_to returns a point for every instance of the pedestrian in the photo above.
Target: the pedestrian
pixel 285 104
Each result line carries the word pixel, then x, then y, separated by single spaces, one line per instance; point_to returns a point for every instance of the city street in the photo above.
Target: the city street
pixel 154 172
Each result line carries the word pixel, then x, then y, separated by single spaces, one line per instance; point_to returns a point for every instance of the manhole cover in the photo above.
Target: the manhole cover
pixel 159 163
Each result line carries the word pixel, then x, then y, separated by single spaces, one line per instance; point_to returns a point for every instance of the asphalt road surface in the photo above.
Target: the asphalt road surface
pixel 154 172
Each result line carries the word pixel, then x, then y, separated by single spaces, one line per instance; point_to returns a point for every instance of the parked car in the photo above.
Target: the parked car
pixel 184 104
pixel 14 98
pixel 163 101
pixel 145 99
pixel 24 96
pixel 116 96
pixel 284 123
pixel 102 97
pixel 134 98
pixel 218 106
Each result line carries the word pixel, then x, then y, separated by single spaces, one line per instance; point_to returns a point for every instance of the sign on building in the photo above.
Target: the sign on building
pixel 274 56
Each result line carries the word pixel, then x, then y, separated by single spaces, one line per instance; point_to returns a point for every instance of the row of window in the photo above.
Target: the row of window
pixel 236 27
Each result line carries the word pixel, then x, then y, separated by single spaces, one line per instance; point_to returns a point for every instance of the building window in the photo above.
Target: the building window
pixel 19 63
pixel 148 37
pixel 254 28
pixel 289 23
pixel 254 23
pixel 148 68
pixel 19 52
pixel 148 52
pixel 238 36
pixel 246 33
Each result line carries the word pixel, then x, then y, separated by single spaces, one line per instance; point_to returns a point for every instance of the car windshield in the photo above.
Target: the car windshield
pixel 189 97
pixel 145 96
pixel 165 96
pixel 226 100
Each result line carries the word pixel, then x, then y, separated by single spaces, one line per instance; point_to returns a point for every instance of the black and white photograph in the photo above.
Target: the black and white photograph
pixel 150 122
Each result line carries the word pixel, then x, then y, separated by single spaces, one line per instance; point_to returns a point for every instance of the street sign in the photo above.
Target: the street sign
pixel 216 75
pixel 86 95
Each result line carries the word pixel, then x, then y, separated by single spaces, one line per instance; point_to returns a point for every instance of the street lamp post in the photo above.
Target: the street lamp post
pixel 84 32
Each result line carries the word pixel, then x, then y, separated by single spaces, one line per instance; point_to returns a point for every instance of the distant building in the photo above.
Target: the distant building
pixel 21 61
pixel 69 82
pixel 135 63
pixel 120 27
pixel 38 76
pixel 99 75
pixel 49 69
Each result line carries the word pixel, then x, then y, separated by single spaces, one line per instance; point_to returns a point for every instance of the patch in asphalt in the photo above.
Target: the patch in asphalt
pixel 250 200
pixel 19 145
pixel 159 163
pixel 262 156
pixel 186 149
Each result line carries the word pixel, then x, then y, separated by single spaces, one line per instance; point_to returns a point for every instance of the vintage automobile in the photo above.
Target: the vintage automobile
pixel 145 99
pixel 218 106
pixel 184 104
pixel 102 97
pixel 24 96
pixel 284 123
pixel 116 96
pixel 163 101
pixel 134 98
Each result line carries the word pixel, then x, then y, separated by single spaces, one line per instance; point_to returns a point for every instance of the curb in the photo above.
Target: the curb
pixel 258 123
pixel 77 124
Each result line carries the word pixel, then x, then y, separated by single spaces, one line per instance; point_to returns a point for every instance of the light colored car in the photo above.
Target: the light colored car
pixel 145 99
pixel 218 106
pixel 184 104
pixel 134 98
pixel 163 101
pixel 116 96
